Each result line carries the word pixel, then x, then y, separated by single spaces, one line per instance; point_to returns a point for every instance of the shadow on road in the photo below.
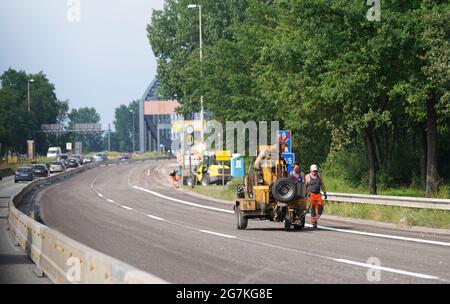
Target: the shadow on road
pixel 306 229
pixel 14 259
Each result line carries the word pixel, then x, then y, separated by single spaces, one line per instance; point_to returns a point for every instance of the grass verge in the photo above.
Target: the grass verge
pixel 391 214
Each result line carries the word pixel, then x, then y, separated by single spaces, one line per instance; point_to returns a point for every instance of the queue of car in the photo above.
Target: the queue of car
pixel 61 164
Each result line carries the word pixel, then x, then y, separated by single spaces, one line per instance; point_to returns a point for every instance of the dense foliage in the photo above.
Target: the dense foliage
pixel 16 122
pixel 369 101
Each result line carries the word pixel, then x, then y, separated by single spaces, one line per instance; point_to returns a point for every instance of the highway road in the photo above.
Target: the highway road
pixel 124 212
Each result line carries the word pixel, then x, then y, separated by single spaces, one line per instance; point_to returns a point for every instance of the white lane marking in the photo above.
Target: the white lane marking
pixel 182 202
pixel 99 194
pixel 388 269
pixel 126 207
pixel 110 200
pixel 386 236
pixel 218 234
pixel 156 218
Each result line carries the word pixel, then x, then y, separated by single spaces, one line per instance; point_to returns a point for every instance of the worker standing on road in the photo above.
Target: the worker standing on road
pixel 297 174
pixel 173 178
pixel 178 176
pixel 314 183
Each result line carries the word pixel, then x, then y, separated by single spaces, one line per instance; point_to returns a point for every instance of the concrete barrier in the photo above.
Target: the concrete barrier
pixel 62 259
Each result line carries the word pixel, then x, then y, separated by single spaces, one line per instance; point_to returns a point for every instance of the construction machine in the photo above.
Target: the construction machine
pixel 210 171
pixel 268 192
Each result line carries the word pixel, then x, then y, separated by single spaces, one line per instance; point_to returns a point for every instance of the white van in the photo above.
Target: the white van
pixel 54 152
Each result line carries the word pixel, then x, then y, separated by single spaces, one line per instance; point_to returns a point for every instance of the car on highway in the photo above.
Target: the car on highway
pixel 40 170
pixel 73 163
pixel 54 152
pixel 23 174
pixel 63 158
pixel 88 160
pixel 79 158
pixel 100 157
pixel 57 166
pixel 124 156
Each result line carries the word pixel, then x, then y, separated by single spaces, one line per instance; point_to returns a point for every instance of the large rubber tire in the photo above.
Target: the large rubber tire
pixel 287 223
pixel 206 180
pixel 284 190
pixel 241 220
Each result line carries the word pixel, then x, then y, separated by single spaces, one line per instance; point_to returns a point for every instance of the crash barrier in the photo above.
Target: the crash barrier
pixel 399 201
pixel 62 259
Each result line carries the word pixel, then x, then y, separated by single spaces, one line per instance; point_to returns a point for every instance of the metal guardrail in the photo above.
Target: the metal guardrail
pixel 399 201
pixel 57 255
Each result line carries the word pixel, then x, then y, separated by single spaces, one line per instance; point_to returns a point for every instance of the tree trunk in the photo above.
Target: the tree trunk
pixel 432 174
pixel 378 159
pixel 371 161
pixel 423 156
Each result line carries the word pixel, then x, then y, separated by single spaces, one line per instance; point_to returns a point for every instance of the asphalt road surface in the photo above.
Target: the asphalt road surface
pixel 131 213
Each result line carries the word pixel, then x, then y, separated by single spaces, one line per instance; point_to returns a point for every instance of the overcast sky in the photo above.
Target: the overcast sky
pixel 103 60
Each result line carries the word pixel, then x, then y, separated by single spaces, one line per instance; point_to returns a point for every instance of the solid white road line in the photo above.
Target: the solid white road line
pixel 126 207
pixel 182 202
pixel 388 269
pixel 218 234
pixel 386 236
pixel 155 217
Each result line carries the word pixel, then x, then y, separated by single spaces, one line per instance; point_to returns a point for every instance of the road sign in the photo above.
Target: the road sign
pixel 290 161
pixel 190 140
pixel 223 155
pixel 189 129
pixel 68 146
pixel 284 137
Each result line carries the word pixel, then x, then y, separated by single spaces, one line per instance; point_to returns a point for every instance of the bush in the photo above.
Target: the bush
pixel 347 165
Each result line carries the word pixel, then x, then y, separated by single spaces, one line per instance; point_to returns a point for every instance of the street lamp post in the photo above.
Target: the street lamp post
pixel 201 61
pixel 29 103
pixel 132 113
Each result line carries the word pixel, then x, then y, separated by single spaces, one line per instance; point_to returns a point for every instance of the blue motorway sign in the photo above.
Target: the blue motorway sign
pixel 290 161
pixel 284 137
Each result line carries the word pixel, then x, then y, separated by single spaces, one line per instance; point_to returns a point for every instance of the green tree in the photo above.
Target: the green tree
pixel 369 100
pixel 91 142
pixel 17 124
pixel 123 123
